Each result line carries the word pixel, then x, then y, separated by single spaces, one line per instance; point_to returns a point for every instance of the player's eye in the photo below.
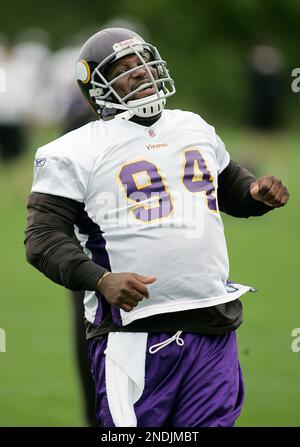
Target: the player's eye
pixel 117 73
pixel 121 71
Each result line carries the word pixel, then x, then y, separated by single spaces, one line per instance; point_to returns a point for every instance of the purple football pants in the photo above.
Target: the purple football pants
pixel 198 384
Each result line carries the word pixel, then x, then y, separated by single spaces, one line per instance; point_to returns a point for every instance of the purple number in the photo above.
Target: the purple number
pixel 194 183
pixel 143 184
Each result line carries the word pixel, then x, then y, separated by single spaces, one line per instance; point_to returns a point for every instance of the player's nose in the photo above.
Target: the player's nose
pixel 139 72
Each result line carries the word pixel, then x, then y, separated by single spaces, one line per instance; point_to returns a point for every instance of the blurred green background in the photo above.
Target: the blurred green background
pixel 207 47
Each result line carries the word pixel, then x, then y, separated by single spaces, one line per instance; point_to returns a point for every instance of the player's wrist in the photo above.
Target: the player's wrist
pixel 100 280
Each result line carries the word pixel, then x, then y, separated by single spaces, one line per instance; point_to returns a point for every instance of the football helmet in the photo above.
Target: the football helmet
pixel 104 48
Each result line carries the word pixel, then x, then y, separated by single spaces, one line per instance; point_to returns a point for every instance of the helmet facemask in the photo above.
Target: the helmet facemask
pixel 105 95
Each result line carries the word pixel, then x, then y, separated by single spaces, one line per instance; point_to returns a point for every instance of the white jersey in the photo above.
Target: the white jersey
pixel 150 196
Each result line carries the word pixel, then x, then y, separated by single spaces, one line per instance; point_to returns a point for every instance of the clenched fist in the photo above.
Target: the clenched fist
pixel 125 290
pixel 269 190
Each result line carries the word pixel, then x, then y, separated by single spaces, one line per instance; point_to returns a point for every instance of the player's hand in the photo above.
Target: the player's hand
pixel 125 290
pixel 269 190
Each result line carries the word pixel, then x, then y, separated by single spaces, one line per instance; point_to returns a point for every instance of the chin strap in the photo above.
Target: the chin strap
pixel 124 115
pixel 137 107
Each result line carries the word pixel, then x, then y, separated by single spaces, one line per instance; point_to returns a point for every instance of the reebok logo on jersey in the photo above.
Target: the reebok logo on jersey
pixel 156 146
pixel 39 162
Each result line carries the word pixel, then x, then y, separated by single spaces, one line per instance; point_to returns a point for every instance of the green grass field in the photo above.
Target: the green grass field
pixel 38 377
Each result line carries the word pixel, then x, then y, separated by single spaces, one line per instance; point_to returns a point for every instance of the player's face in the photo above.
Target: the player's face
pixel 136 78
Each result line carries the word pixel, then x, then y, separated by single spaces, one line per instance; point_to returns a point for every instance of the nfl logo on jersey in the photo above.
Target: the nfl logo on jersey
pixel 151 133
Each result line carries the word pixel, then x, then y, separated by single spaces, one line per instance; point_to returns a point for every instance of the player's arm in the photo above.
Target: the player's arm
pixel 52 249
pixel 240 194
pixel 50 244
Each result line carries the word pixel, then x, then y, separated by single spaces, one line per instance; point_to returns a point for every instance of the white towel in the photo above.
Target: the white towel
pixel 125 374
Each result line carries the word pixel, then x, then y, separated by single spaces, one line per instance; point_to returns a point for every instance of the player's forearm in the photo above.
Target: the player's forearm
pixel 234 193
pixel 51 248
pixel 61 260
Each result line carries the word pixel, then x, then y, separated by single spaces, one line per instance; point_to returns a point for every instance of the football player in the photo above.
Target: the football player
pixel 144 186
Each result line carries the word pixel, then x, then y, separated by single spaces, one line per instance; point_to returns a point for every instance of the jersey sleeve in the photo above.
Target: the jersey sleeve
pixel 63 167
pixel 223 157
